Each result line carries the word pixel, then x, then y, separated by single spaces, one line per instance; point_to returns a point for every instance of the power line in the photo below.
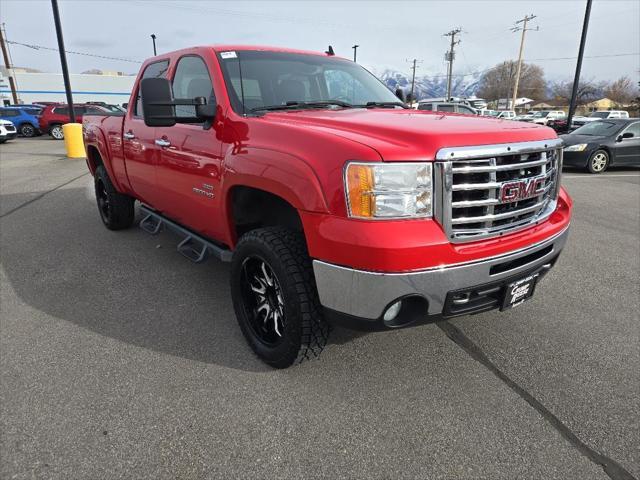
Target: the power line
pixel 40 47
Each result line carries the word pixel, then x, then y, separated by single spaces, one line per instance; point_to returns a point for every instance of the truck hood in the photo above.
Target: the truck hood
pixel 401 134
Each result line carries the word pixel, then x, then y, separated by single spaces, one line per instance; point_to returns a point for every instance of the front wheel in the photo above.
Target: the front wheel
pixel 57 132
pixel 27 130
pixel 275 297
pixel 598 162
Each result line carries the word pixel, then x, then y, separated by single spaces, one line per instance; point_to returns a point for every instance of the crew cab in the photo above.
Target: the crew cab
pixel 333 201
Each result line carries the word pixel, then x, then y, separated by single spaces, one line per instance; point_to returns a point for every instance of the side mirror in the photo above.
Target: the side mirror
pixel 627 135
pixel 157 102
pixel 204 110
pixel 400 94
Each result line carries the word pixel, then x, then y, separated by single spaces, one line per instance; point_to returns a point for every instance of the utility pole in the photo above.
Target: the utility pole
pixel 7 64
pixel 63 60
pixel 524 29
pixel 576 79
pixel 413 76
pixel 355 52
pixel 450 56
pixel 153 38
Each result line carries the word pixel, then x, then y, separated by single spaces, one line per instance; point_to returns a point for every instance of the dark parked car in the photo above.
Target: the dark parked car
pixel 598 145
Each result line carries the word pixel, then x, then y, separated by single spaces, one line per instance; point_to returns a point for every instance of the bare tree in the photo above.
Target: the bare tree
pixel 588 91
pixel 621 91
pixel 498 82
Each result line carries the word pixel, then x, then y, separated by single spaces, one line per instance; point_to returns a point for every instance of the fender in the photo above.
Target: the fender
pixel 279 173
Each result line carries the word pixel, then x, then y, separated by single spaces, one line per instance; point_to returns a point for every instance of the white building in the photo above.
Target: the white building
pixel 49 87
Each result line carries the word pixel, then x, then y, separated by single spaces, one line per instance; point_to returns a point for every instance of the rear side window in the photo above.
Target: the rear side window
pixel 425 106
pixel 61 111
pixel 191 80
pixel 446 108
pixel 9 113
pixel 463 109
pixel 153 70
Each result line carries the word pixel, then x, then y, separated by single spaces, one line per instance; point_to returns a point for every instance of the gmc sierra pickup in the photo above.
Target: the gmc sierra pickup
pixel 333 201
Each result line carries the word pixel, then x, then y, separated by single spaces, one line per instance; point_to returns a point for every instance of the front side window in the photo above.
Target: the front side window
pixel 153 70
pixel 272 79
pixel 61 111
pixel 635 129
pixel 191 80
pixel 599 115
pixel 425 106
pixel 463 109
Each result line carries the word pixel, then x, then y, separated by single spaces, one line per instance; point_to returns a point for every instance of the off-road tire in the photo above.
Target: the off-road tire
pixel 305 331
pixel 120 212
pixel 595 165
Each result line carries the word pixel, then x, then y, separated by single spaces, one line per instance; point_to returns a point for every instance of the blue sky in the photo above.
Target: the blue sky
pixel 389 33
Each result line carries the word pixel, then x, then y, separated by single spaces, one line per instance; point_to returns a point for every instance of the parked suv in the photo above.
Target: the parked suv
pixel 24 119
pixel 7 131
pixel 56 115
pixel 446 107
pixel 595 116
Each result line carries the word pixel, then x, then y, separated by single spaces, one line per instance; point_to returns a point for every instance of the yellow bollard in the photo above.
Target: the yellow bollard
pixel 73 140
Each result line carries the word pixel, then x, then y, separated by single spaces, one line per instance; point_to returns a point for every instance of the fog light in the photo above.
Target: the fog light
pixel 392 311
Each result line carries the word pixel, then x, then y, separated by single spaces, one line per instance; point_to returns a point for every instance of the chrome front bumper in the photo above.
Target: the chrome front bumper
pixel 366 295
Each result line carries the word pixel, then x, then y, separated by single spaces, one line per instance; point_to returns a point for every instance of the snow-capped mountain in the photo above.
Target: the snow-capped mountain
pixel 429 86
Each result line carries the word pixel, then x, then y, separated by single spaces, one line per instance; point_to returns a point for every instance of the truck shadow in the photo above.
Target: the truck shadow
pixel 128 286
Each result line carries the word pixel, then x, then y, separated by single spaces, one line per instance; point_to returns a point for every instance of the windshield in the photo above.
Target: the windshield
pixel 599 115
pixel 597 129
pixel 257 79
pixel 540 114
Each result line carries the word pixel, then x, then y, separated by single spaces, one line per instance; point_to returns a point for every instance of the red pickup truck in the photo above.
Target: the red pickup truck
pixel 333 201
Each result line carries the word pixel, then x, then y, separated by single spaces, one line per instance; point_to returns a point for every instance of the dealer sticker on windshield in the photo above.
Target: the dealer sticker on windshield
pixel 226 55
pixel 518 292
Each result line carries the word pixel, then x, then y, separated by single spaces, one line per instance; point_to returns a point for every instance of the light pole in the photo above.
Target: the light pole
pixel 576 79
pixel 63 60
pixel 153 38
pixel 355 52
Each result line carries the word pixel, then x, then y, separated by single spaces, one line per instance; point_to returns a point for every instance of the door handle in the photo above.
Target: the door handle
pixel 128 136
pixel 161 142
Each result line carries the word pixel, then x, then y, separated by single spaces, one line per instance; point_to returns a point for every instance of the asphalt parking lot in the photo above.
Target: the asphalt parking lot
pixel 120 359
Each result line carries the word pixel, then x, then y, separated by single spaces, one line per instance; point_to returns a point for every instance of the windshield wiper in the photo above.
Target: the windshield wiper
pixel 301 105
pixel 384 104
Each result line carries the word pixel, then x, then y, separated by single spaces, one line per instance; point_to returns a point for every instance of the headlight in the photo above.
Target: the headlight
pixel 579 147
pixel 388 190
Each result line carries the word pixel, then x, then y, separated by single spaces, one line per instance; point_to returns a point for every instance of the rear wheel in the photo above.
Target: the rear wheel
pixel 27 130
pixel 57 132
pixel 116 210
pixel 275 297
pixel 598 162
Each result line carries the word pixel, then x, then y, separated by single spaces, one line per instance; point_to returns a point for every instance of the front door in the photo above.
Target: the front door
pixel 190 159
pixel 628 150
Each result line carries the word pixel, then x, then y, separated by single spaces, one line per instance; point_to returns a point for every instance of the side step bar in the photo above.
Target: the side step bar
pixel 194 247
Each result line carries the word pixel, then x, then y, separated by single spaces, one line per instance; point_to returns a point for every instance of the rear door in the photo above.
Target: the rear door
pixel 189 167
pixel 138 141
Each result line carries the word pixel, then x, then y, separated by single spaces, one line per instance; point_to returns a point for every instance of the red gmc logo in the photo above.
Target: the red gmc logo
pixel 522 189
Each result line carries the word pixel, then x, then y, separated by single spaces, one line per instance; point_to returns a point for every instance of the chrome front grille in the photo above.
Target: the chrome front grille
pixel 491 190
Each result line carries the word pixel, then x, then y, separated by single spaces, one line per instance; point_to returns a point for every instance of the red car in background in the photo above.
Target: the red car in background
pixel 55 115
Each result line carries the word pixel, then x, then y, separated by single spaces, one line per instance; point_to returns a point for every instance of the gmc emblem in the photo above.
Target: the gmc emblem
pixel 522 189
